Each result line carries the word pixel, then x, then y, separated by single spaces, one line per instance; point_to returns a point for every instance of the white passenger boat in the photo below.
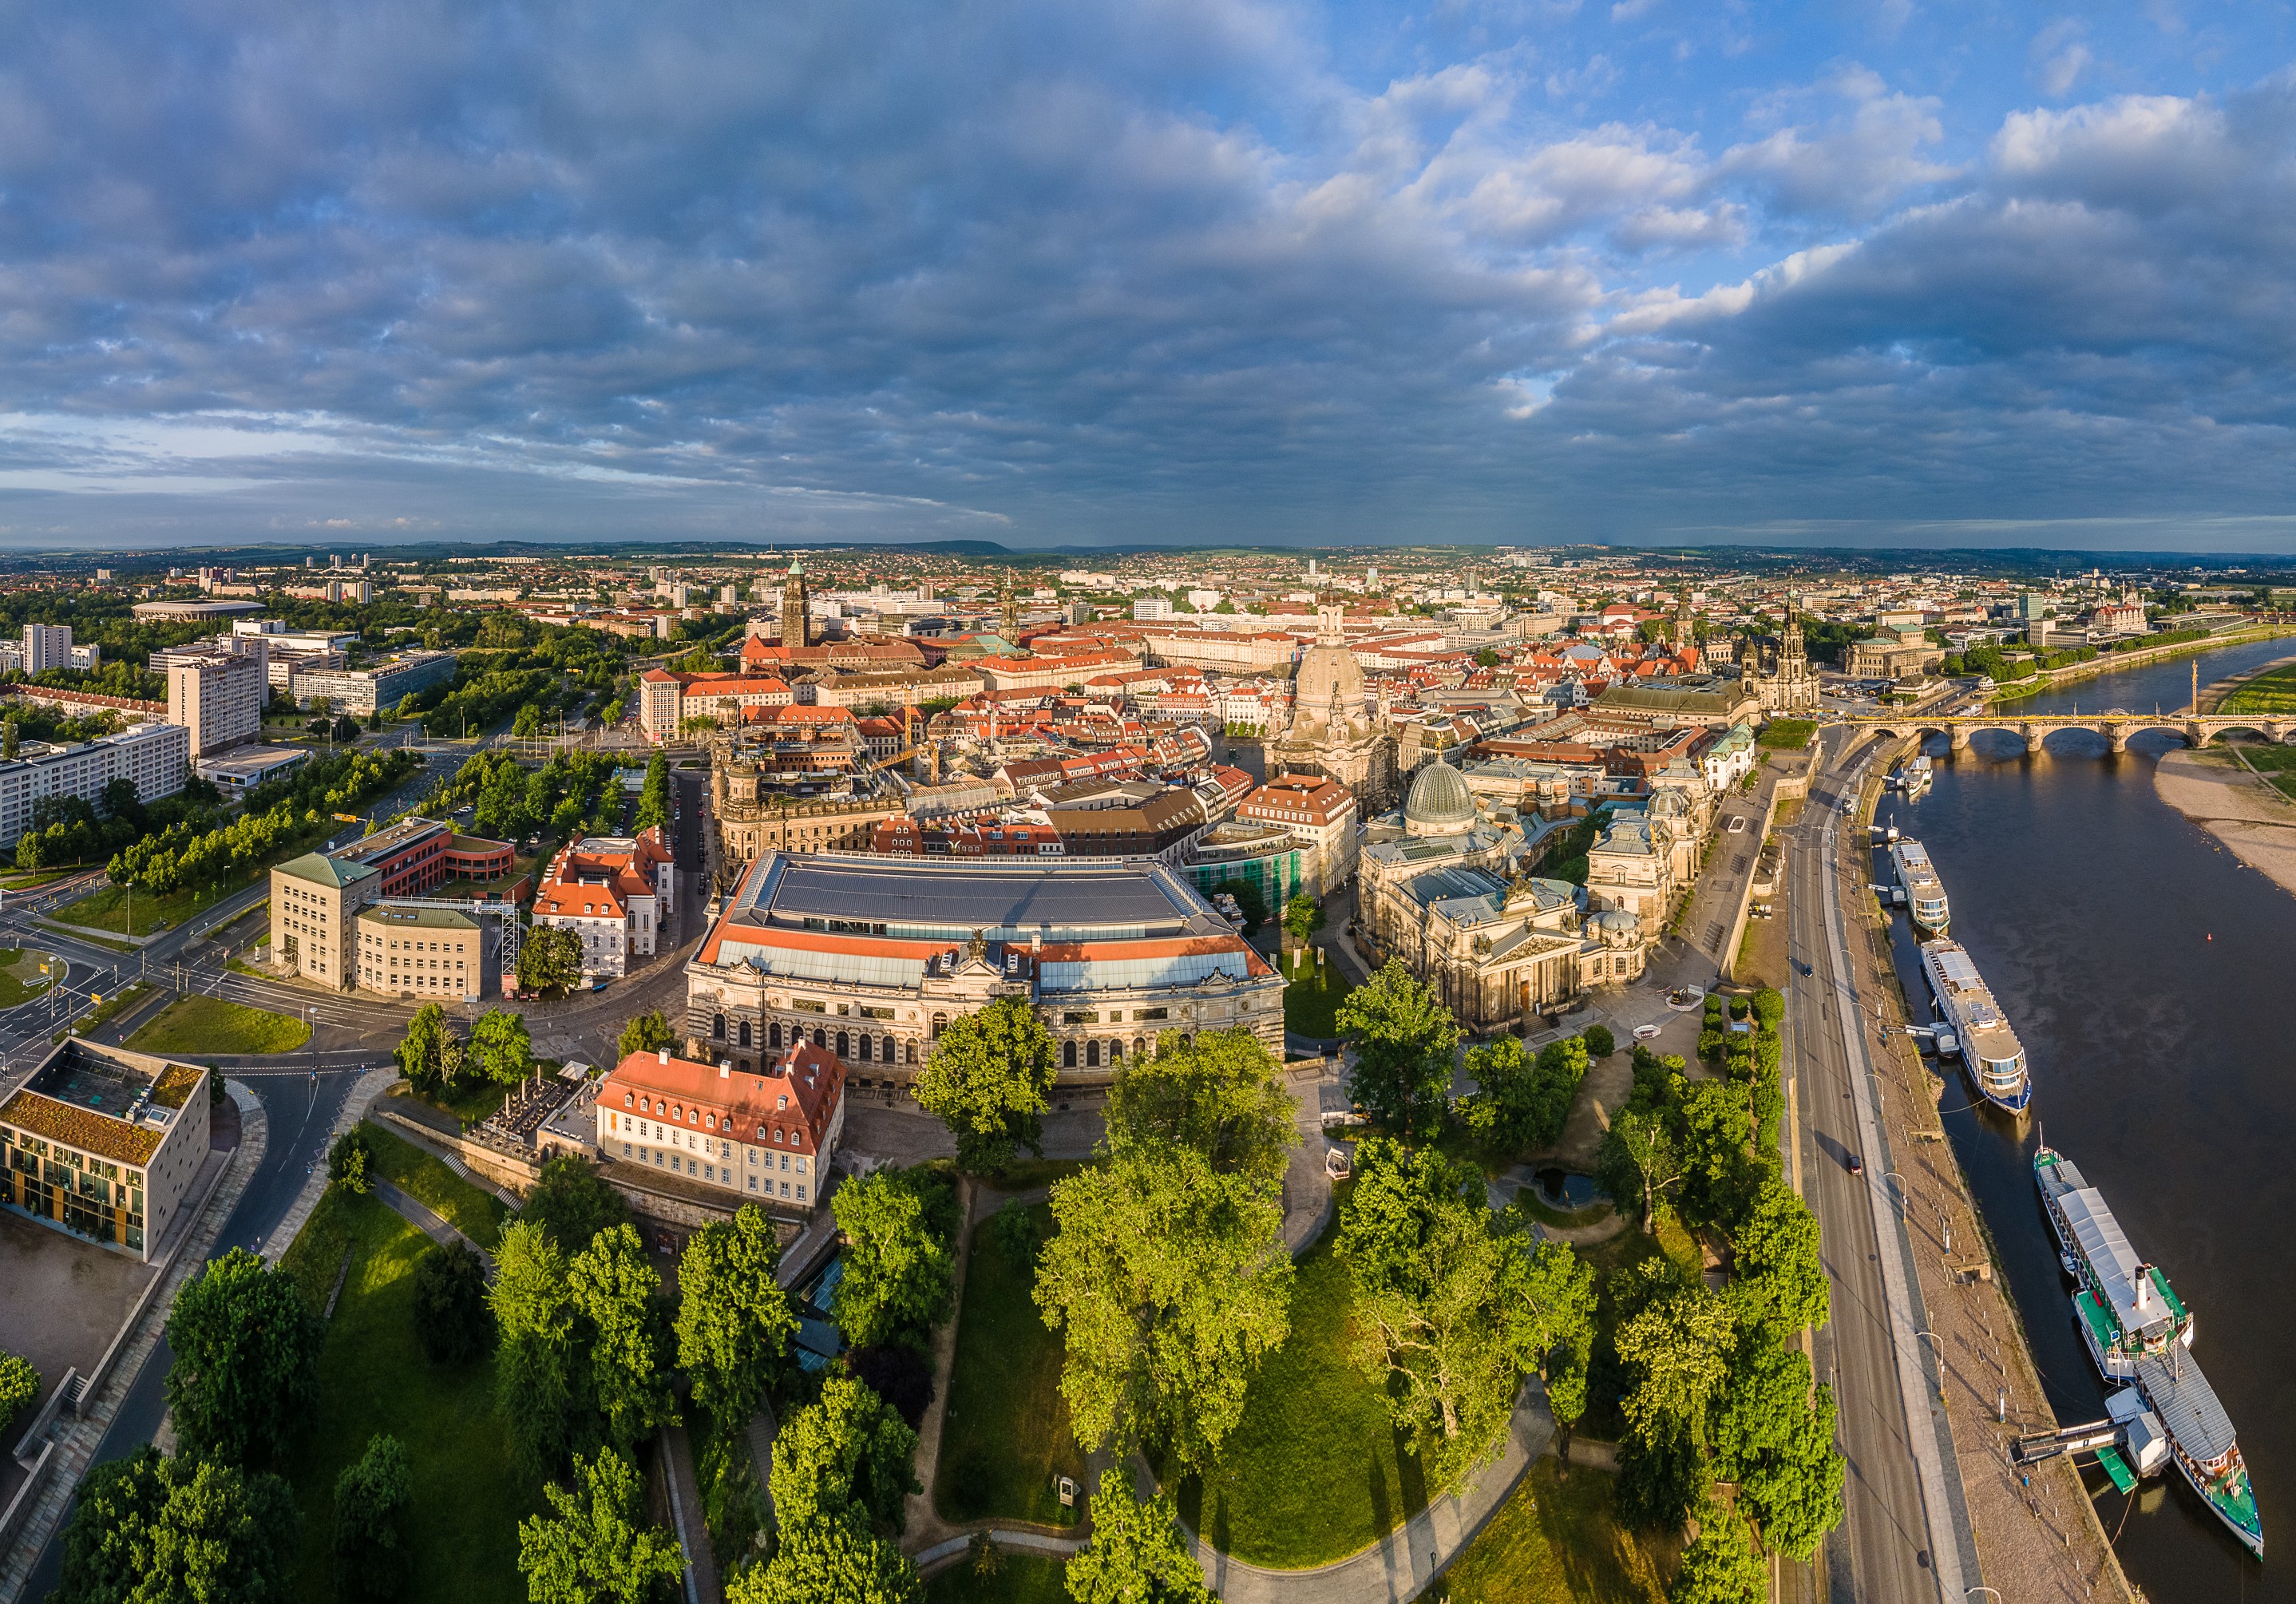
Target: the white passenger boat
pixel 1925 898
pixel 1988 1047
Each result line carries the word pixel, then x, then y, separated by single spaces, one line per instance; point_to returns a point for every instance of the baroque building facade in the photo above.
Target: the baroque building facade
pixel 1330 733
pixel 1777 668
pixel 1445 887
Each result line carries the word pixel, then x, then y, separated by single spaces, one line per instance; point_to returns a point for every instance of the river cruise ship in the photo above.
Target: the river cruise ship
pixel 2137 1330
pixel 1924 892
pixel 2125 1308
pixel 1987 1046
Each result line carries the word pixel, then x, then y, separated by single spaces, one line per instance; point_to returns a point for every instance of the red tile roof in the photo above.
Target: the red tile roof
pixel 790 1105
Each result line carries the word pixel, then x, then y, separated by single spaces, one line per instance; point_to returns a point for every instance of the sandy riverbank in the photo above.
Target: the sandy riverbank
pixel 2216 792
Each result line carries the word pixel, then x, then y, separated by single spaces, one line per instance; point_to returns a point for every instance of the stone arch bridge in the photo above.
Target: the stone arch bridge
pixel 2114 725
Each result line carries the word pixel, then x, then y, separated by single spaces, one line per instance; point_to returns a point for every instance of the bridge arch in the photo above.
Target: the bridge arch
pixel 1899 732
pixel 2210 735
pixel 2150 727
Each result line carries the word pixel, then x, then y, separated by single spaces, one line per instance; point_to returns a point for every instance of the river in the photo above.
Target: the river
pixel 2134 957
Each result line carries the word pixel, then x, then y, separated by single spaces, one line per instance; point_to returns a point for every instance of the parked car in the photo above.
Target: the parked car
pixel 1857 1163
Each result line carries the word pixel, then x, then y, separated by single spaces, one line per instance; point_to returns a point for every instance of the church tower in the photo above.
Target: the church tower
pixel 1793 659
pixel 794 613
pixel 1682 631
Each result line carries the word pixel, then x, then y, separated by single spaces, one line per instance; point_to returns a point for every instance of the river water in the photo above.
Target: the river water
pixel 2147 971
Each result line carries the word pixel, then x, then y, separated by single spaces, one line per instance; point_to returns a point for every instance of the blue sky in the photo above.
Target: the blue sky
pixel 1902 272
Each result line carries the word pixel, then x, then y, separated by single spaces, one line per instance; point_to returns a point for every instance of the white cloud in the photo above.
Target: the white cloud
pixel 2060 57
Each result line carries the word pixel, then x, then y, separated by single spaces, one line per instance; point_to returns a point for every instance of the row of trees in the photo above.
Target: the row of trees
pixel 194 853
pixel 439 1065
pixel 570 796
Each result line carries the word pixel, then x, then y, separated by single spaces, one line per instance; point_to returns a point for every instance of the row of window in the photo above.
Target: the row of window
pixel 710 1172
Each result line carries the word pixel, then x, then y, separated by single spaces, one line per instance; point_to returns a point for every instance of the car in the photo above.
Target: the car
pixel 1857 1163
pixel 1644 1033
pixel 1804 967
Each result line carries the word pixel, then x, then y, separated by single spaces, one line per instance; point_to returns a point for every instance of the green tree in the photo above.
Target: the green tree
pixel 1720 1566
pixel 594 1547
pixel 1404 1039
pixel 346 730
pixel 987 1080
pixel 148 1530
pixel 1777 1258
pixel 1138 1553
pixel 500 1049
pixel 1774 1436
pixel 351 1160
pixel 549 961
pixel 1600 1042
pixel 573 1203
pixel 430 1056
pixel 1521 1102
pixel 838 1561
pixel 1221 1094
pixel 1302 917
pixel 451 1317
pixel 536 1373
pixel 899 1269
pixel 648 1033
pixel 1641 1152
pixel 734 1320
pixel 617 1293
pixel 653 799
pixel 1450 1313
pixel 849 1452
pixel 370 1496
pixel 1169 1279
pixel 246 1368
pixel 20 1384
pixel 1674 1343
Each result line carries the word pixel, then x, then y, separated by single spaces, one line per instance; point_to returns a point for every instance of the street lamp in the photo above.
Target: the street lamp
pixel 1938 1345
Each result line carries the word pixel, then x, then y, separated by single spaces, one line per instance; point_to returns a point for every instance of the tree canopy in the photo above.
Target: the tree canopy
pixel 1521 1102
pixel 148 1530
pixel 370 1497
pixel 987 1080
pixel 1774 1436
pixel 594 1546
pixel 1404 1039
pixel 1720 1566
pixel 430 1055
pixel 1138 1554
pixel 734 1320
pixel 900 1265
pixel 536 1375
pixel 573 1204
pixel 842 1468
pixel 451 1317
pixel 246 1368
pixel 500 1049
pixel 617 1293
pixel 1452 1312
pixel 647 1032
pixel 1170 1282
pixel 549 961
pixel 1221 1095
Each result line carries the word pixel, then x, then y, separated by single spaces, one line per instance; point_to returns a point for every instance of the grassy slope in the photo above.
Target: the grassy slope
pixel 20 979
pixel 1315 1471
pixel 1006 1433
pixel 1557 1538
pixel 209 1025
pixel 1020 1579
pixel 472 1210
pixel 373 1376
pixel 2272 693
pixel 107 910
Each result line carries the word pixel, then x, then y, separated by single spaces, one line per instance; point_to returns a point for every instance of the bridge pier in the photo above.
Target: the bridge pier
pixel 1960 739
pixel 2117 735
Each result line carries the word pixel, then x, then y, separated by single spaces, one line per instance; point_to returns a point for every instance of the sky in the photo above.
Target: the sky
pixel 1536 271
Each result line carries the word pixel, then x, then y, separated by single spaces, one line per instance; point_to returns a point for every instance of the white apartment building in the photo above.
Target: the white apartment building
pixel 47 646
pixel 155 756
pixel 215 692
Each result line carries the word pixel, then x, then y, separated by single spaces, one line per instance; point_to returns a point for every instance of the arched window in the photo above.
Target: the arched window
pixel 1068 1055
pixel 745 1032
pixel 1139 1047
pixel 844 1045
pixel 774 1034
pixel 1092 1055
pixel 818 1038
pixel 1116 1051
pixel 717 1027
pixel 911 1056
pixel 868 1047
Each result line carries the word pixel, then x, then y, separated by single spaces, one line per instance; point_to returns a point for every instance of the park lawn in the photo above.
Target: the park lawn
pixel 107 908
pixel 2271 693
pixel 462 1526
pixel 1020 1579
pixel 1315 1471
pixel 1557 1540
pixel 471 1209
pixel 1005 1435
pixel 1311 999
pixel 2275 763
pixel 20 976
pixel 209 1024
pixel 1786 735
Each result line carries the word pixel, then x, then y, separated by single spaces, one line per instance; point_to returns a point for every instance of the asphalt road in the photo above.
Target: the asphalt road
pixel 1880 1554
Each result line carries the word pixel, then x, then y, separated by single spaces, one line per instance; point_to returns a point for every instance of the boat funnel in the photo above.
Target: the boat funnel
pixel 2143 1288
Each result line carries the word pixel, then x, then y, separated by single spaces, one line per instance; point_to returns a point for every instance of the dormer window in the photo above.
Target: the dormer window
pixel 629 1100
pixel 710 1122
pixel 783 1101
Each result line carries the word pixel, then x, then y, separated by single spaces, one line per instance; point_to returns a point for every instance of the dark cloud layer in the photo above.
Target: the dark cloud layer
pixel 1045 273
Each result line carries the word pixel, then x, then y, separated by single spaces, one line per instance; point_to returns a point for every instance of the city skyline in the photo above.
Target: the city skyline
pixel 1932 275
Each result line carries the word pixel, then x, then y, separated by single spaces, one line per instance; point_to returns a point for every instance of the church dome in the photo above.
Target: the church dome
pixel 1328 687
pixel 1439 803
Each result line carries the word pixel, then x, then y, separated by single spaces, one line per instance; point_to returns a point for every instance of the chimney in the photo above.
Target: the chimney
pixel 2143 1288
pixel 725 1069
pixel 665 1054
